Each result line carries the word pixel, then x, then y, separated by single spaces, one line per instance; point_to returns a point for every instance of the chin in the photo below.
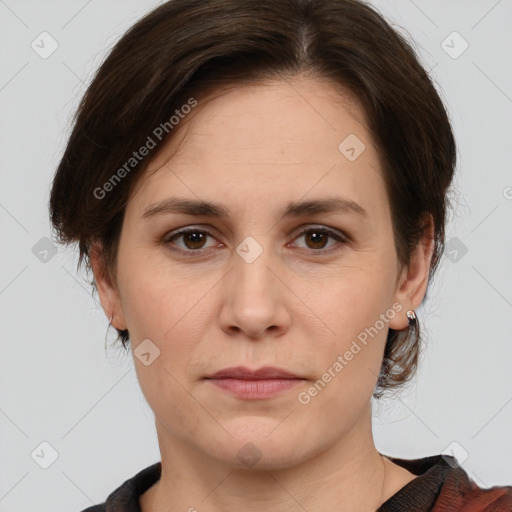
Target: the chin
pixel 260 443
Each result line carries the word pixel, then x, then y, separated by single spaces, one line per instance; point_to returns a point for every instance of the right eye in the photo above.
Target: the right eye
pixel 193 240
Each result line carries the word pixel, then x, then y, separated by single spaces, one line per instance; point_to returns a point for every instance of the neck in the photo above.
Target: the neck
pixel 348 476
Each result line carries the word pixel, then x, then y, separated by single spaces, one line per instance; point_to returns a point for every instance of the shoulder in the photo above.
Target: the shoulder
pixel 126 496
pixel 442 485
pixel 472 498
pixel 459 493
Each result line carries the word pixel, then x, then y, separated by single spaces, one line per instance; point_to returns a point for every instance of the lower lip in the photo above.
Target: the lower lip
pixel 255 389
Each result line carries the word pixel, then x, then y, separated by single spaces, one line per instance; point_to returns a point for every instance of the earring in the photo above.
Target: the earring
pixel 411 315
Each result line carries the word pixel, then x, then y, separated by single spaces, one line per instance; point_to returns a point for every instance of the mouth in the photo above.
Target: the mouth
pixel 254 384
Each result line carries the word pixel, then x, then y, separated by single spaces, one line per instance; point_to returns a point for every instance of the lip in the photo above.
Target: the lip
pixel 244 373
pixel 258 384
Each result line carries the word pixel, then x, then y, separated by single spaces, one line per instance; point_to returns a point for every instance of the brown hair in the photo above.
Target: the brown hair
pixel 184 48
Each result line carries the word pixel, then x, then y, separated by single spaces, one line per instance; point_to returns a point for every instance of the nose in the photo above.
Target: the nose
pixel 255 296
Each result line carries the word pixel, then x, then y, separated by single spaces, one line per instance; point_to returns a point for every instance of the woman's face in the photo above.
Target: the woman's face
pixel 247 287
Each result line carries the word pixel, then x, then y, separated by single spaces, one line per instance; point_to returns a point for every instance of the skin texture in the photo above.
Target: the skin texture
pixel 254 149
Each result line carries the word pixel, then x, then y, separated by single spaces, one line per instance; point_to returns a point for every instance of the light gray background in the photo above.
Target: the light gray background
pixel 58 385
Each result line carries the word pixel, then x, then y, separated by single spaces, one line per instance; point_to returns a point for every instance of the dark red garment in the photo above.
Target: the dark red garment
pixel 441 486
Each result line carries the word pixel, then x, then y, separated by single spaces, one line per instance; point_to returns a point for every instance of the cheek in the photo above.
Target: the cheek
pixel 348 362
pixel 167 314
pixel 153 299
pixel 170 309
pixel 352 315
pixel 348 300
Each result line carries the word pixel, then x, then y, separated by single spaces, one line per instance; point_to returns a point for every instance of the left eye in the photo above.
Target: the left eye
pixel 319 237
pixel 194 239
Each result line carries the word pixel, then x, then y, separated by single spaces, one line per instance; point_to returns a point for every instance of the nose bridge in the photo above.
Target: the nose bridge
pixel 253 300
pixel 252 259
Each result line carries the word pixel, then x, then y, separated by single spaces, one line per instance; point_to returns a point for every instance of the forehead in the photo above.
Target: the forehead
pixel 289 135
pixel 277 112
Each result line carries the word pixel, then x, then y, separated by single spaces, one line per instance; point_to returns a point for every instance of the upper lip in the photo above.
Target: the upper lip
pixel 241 372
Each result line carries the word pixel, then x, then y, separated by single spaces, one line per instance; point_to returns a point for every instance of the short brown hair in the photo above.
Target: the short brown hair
pixel 184 48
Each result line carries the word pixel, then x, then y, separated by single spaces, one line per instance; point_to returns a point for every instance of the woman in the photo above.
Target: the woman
pixel 260 191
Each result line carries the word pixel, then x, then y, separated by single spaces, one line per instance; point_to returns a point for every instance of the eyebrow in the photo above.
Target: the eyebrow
pixel 291 210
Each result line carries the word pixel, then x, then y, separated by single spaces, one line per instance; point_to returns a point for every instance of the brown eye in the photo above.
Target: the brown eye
pixel 317 239
pixel 193 240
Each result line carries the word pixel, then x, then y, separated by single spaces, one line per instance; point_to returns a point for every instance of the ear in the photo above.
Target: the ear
pixel 413 281
pixel 107 290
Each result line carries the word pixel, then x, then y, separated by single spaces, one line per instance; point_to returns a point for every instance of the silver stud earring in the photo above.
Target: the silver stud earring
pixel 411 315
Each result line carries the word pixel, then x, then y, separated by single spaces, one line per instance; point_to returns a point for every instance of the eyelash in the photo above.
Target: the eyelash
pixel 317 252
